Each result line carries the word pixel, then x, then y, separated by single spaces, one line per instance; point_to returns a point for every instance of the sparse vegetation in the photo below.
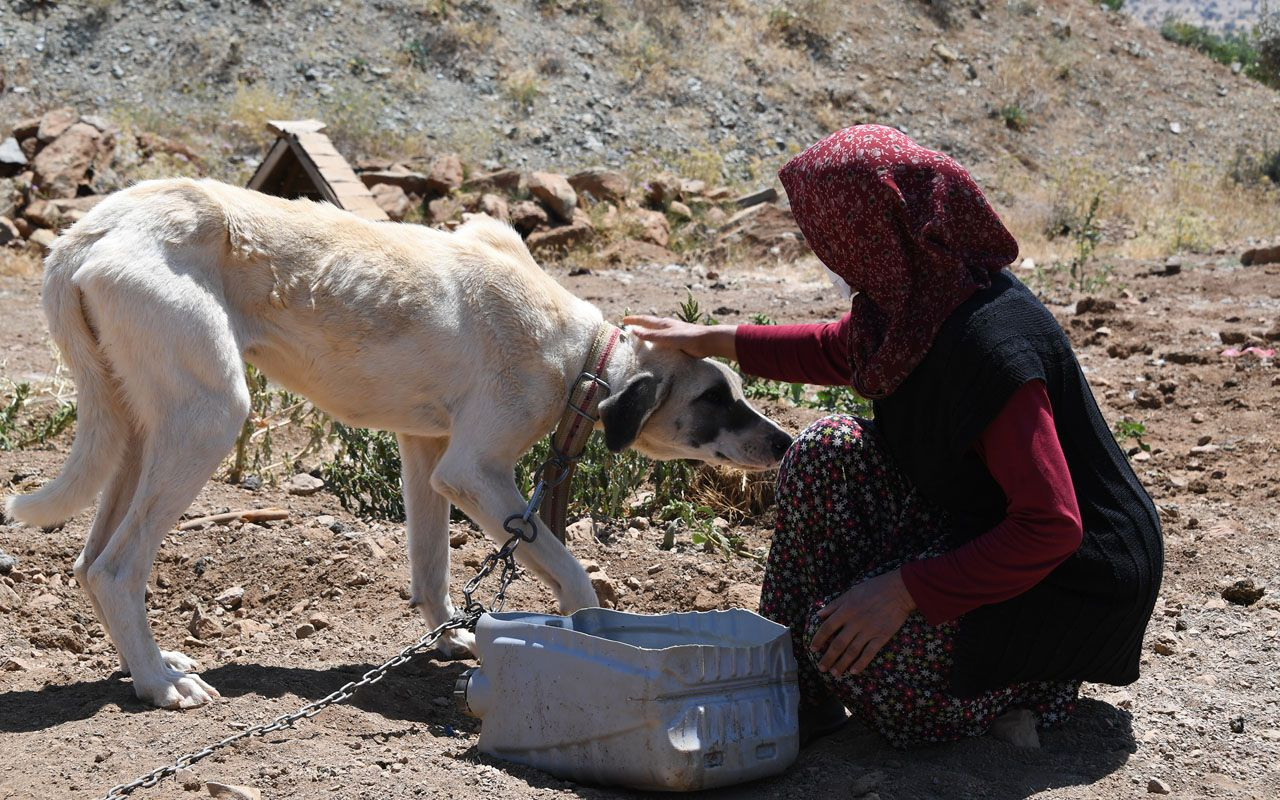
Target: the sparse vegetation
pixel 21 429
pixel 1015 117
pixel 1257 52
pixel 1126 429
pixel 523 88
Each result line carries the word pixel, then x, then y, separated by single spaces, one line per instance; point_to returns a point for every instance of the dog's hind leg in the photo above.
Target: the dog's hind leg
pixel 111 510
pixel 488 494
pixel 183 379
pixel 427 521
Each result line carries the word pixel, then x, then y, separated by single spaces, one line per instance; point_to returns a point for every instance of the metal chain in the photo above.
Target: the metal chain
pixel 515 525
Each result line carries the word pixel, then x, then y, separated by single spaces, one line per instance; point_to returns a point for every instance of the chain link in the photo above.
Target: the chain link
pixel 471 612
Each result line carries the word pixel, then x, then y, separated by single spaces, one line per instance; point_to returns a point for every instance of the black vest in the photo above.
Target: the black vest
pixel 1086 619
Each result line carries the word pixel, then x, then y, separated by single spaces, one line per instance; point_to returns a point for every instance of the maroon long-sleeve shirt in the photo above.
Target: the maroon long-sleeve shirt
pixel 1020 448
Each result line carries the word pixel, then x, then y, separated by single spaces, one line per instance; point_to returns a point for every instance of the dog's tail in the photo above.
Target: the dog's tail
pixel 101 421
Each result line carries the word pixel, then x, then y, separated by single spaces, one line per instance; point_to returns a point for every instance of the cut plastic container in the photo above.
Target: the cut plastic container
pixel 675 702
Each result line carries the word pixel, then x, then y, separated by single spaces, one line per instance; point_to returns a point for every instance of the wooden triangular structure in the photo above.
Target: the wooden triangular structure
pixel 304 163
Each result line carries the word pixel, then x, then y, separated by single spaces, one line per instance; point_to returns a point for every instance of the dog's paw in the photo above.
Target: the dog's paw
pixel 178 691
pixel 456 645
pixel 174 660
pixel 179 662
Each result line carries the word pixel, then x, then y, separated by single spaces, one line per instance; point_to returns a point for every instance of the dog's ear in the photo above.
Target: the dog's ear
pixel 624 412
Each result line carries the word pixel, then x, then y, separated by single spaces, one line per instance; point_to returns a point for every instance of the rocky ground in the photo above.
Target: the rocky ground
pixel 323 592
pixel 656 125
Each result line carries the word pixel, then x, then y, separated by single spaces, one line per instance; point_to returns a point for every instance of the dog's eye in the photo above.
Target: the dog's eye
pixel 718 395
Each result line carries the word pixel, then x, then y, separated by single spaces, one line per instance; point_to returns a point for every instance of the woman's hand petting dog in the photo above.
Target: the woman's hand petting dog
pixel 859 622
pixel 695 341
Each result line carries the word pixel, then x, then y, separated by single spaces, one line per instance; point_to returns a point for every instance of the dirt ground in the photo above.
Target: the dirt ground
pixel 1204 718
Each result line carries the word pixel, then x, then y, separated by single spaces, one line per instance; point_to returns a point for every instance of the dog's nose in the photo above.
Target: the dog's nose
pixel 779 442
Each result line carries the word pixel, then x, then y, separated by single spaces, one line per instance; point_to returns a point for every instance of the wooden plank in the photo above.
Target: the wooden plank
pixel 280 127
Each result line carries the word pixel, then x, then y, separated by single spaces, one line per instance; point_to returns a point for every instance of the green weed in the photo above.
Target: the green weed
pixel 20 430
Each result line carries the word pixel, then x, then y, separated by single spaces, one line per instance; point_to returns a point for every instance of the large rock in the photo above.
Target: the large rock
pixel 26 128
pixel 63 163
pixel 410 182
pixel 662 189
pixel 555 193
pixel 12 159
pixel 495 206
pixel 601 184
pixel 391 199
pixel 527 215
pixel 503 180
pixel 11 198
pixel 650 226
pixel 55 123
pixel 43 214
pixel 562 237
pixel 445 175
pixel 8 233
pixel 42 237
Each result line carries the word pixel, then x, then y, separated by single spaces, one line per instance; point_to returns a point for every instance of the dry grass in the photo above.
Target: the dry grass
pixel 735 495
pixel 22 262
pixel 1184 208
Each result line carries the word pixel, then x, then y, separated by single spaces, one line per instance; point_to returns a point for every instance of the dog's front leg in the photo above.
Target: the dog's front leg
pixel 487 493
pixel 427 523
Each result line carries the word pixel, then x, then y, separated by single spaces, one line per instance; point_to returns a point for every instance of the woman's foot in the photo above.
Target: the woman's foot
pixel 818 720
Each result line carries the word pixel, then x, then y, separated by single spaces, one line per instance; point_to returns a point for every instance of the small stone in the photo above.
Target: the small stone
pixel 743 595
pixel 649 226
pixel 633 582
pixel 706 600
pixel 202 626
pixel 866 784
pixel 562 237
pixel 1243 592
pixel 1237 724
pixel 371 550
pixel 662 189
pixel 305 630
pixel 680 211
pixel 224 791
pixel 318 621
pixel 1157 786
pixel 12 159
pixel 15 664
pixel 605 590
pixel 1164 646
pixel 1017 727
pixel 1175 128
pixel 458 538
pixel 1203 440
pixel 7 563
pixel 581 531
pixel 304 485
pixel 231 598
pixel 1198 417
pixel 188 780
pixel 326 520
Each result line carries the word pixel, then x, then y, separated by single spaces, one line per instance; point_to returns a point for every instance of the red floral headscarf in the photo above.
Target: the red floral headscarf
pixel 909 231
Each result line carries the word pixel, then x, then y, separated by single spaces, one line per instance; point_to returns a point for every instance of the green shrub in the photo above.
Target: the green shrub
pixel 1015 117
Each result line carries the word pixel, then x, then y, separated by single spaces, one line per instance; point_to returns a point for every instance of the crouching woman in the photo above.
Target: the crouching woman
pixel 983 545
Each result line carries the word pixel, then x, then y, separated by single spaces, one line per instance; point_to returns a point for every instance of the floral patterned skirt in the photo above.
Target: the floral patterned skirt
pixel 846 514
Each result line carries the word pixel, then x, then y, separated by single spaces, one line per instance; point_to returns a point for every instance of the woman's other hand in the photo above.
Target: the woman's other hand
pixel 698 341
pixel 859 622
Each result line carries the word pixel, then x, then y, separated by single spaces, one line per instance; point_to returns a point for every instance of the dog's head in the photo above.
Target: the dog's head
pixel 673 406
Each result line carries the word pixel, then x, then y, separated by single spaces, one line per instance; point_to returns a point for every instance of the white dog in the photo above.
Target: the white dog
pixel 457 342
